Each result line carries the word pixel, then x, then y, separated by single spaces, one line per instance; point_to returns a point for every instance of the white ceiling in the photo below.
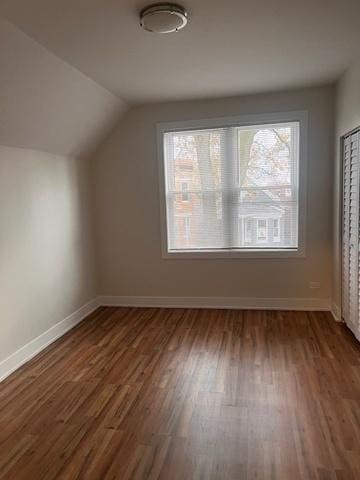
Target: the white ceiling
pixel 229 46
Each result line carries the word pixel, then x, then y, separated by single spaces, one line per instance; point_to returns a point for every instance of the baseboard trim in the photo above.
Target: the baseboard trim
pixel 35 346
pixel 242 303
pixel 336 312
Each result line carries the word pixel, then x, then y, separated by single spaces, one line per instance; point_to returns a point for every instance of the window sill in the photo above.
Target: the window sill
pixel 231 254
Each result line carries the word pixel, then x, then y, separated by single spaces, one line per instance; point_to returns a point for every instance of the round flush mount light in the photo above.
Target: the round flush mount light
pixel 163 18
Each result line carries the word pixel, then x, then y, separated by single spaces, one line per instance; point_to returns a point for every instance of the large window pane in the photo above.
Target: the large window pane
pixel 232 188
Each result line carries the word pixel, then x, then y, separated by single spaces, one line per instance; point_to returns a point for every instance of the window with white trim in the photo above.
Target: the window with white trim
pixel 184 189
pixel 247 230
pixel 187 227
pixel 262 230
pixel 276 230
pixel 242 184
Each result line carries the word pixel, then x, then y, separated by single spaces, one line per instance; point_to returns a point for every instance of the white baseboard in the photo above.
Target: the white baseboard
pixel 219 302
pixel 336 312
pixel 28 351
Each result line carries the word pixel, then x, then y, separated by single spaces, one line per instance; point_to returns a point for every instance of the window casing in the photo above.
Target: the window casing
pixel 258 212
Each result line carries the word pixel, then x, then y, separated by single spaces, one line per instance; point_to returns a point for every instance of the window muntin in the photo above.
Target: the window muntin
pixel 235 176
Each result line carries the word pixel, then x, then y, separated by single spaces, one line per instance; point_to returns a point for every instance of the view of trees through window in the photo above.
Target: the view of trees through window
pixel 232 188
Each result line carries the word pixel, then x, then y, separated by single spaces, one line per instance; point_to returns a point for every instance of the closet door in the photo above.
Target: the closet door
pixel 350 233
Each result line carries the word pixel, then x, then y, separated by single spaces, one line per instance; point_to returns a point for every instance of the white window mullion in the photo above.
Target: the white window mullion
pixel 231 227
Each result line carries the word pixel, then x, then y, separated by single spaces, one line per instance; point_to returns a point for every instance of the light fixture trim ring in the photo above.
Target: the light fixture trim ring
pixel 163 8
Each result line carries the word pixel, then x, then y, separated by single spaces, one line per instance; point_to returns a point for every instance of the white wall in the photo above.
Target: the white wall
pixel 128 218
pixel 46 243
pixel 347 118
pixel 46 248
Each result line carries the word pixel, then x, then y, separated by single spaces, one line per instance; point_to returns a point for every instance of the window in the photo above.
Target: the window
pixel 184 189
pixel 248 230
pixel 187 227
pixel 185 168
pixel 243 182
pixel 276 230
pixel 262 230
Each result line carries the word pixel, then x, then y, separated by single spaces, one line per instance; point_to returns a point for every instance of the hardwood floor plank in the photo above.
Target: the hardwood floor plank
pixel 160 394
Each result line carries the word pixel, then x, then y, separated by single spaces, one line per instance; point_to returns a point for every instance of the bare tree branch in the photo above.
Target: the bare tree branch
pixel 279 137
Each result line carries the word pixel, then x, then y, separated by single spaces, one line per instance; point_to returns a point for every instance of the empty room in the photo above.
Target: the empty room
pixel 179 240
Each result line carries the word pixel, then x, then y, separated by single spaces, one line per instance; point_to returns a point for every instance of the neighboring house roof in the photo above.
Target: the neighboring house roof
pixel 268 208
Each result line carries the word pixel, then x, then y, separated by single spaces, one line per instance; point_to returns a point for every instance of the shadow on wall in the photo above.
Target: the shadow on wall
pixel 46 245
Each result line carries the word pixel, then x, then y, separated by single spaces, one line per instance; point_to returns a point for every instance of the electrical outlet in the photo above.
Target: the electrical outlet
pixel 314 285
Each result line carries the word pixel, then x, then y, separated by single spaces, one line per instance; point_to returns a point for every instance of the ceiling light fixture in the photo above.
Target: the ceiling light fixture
pixel 163 18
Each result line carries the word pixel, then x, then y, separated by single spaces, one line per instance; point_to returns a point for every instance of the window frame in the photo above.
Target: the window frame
pixel 299 116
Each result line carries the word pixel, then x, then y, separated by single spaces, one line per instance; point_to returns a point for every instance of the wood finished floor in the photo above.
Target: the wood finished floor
pixel 187 394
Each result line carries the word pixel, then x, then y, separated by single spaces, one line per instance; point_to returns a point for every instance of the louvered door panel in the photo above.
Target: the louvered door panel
pixel 345 229
pixel 350 233
pixel 353 233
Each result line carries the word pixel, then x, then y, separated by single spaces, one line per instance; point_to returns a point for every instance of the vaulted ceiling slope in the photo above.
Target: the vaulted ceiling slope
pixel 229 47
pixel 46 104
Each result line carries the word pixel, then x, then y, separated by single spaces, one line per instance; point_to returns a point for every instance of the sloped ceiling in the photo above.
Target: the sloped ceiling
pixel 46 104
pixel 64 93
pixel 229 47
